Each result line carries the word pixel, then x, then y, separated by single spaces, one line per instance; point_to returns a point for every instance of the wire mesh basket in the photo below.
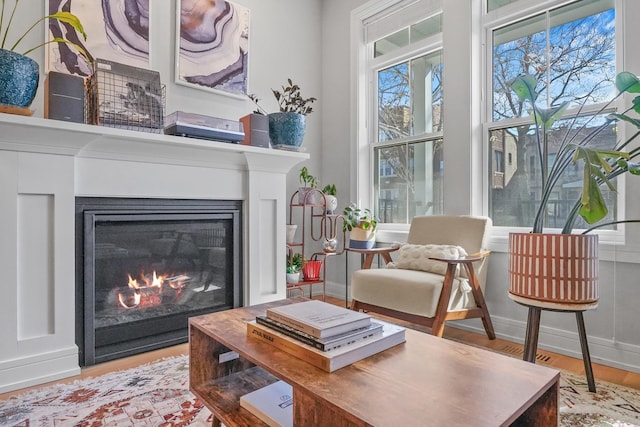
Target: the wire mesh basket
pixel 126 97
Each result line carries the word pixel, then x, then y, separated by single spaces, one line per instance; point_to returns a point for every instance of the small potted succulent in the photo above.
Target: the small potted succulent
pixel 294 265
pixel 306 193
pixel 331 201
pixel 361 225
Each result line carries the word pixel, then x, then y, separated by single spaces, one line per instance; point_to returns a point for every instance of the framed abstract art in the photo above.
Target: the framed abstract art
pixel 212 46
pixel 117 30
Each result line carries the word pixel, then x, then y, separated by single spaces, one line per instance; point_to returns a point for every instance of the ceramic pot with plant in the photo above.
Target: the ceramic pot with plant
pixel 294 266
pixel 19 74
pixel 331 201
pixel 287 127
pixel 563 268
pixel 307 194
pixel 361 225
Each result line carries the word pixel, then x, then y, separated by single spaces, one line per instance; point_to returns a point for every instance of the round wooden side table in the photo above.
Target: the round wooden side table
pixel 533 326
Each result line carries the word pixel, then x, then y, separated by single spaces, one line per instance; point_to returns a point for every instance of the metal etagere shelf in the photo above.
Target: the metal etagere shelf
pixel 316 228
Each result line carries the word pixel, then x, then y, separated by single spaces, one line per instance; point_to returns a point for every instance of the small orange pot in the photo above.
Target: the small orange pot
pixel 311 270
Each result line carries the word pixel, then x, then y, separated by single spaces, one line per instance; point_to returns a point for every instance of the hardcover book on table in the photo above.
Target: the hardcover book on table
pixel 329 361
pixel 325 344
pixel 319 318
pixel 273 404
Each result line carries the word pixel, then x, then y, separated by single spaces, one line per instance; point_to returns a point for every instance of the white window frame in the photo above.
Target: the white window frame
pixel 504 16
pixel 365 89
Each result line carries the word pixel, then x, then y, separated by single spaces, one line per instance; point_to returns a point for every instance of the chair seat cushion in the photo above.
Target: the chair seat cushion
pixel 409 291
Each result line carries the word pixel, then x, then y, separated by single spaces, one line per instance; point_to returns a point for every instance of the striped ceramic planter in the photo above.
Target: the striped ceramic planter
pixel 559 268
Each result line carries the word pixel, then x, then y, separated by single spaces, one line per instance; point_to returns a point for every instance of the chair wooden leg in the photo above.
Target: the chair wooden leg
pixel 586 357
pixel 531 336
pixel 480 301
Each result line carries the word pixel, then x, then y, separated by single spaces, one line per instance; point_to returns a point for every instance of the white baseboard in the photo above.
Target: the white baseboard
pixel 605 352
pixel 38 369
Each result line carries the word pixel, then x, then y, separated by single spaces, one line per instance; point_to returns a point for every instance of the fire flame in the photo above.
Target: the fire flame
pixel 150 287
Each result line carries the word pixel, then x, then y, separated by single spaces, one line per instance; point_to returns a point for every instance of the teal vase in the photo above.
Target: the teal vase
pixel 19 77
pixel 286 130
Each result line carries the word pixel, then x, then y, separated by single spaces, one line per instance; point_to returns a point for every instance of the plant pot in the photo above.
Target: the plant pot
pixel 286 130
pixel 308 196
pixel 311 270
pixel 359 238
pixel 331 203
pixel 19 76
pixel 293 278
pixel 558 268
pixel 291 233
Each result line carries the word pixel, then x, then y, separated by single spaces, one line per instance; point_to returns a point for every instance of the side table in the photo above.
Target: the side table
pixel 533 326
pixel 367 256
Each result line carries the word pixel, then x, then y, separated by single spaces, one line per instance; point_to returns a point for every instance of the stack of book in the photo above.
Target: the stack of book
pixel 325 335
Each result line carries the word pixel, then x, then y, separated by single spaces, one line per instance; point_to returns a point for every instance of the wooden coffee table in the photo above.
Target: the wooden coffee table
pixel 425 381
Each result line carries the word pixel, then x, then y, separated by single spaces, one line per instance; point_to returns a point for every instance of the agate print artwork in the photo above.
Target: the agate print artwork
pixel 117 30
pixel 213 45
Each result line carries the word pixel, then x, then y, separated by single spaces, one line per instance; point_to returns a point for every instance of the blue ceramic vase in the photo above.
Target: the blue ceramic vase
pixel 19 76
pixel 286 130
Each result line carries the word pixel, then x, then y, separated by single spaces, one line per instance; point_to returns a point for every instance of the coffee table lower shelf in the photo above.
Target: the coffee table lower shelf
pixel 223 394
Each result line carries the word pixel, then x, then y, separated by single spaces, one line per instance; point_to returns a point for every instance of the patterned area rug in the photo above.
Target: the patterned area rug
pixel 610 405
pixel 158 394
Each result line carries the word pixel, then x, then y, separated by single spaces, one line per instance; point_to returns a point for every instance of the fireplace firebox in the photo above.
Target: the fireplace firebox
pixel 144 266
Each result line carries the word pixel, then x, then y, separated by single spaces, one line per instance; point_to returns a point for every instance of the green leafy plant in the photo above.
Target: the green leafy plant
pixel 307 179
pixel 64 17
pixel 294 263
pixel 355 217
pixel 329 189
pixel 289 100
pixel 600 165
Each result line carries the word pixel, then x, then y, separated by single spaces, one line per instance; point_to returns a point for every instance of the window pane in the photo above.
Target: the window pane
pixel 390 43
pixel 495 4
pixel 426 28
pixel 408 181
pixel 515 174
pixel 573 58
pixel 517 49
pixel 410 98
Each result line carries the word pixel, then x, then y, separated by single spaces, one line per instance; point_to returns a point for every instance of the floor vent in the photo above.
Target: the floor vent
pixel 518 350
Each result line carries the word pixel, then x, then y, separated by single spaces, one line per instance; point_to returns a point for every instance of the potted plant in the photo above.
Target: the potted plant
pixel 294 265
pixel 306 195
pixel 287 127
pixel 361 225
pixel 331 201
pixel 562 268
pixel 19 74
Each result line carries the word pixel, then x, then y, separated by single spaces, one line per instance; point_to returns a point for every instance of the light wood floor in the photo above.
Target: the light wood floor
pixel 601 372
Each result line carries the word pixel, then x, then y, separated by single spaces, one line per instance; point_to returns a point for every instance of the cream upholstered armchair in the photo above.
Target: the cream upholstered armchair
pixel 438 275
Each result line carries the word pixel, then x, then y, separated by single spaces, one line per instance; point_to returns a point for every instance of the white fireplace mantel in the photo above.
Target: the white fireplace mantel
pixel 45 164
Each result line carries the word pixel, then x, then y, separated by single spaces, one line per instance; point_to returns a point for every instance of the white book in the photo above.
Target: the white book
pixel 273 404
pixel 319 318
